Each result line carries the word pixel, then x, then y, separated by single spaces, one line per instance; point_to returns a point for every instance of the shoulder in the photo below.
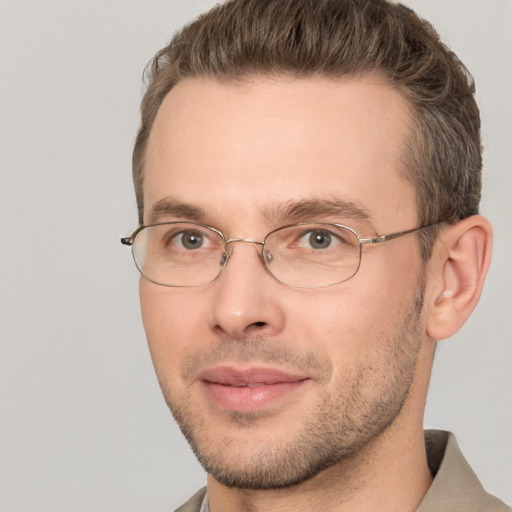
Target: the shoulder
pixel 194 503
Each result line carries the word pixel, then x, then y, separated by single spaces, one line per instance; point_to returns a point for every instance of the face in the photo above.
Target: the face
pixel 272 384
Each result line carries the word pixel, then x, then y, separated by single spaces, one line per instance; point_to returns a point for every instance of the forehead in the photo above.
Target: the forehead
pixel 243 148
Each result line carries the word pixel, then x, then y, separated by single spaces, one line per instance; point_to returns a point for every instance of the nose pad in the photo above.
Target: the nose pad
pixel 265 256
pixel 228 251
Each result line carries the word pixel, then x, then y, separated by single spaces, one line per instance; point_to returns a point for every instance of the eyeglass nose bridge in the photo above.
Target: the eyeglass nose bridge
pixel 228 252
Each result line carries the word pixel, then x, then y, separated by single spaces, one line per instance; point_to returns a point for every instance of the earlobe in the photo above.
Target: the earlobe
pixel 460 261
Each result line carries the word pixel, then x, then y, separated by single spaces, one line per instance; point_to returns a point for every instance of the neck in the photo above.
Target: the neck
pixel 390 474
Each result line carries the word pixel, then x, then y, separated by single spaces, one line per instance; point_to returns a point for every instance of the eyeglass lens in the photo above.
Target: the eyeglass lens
pixel 305 255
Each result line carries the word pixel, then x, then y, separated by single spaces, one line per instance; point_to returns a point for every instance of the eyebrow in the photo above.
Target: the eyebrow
pixel 304 210
pixel 170 207
pixel 318 208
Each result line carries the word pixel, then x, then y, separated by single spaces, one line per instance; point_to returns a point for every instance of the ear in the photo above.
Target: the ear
pixel 457 271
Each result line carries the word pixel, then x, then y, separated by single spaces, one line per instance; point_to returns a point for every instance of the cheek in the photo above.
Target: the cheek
pixel 351 322
pixel 171 323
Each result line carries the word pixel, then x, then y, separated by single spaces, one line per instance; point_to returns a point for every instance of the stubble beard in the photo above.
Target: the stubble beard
pixel 361 406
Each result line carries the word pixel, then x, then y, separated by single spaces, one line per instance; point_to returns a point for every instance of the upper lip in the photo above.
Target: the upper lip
pixel 232 376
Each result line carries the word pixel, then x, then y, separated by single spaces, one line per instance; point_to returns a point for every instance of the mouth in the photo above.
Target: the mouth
pixel 249 389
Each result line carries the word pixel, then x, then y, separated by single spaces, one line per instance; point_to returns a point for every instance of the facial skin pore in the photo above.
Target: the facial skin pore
pixel 338 375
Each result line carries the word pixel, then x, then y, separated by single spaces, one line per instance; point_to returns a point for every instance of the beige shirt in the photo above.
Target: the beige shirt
pixel 455 487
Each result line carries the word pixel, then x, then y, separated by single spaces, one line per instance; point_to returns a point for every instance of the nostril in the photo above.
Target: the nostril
pixel 259 324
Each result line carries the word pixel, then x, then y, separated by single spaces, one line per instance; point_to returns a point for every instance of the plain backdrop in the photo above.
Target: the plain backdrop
pixel 83 426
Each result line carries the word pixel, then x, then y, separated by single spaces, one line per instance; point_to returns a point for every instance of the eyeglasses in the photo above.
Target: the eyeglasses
pixel 304 255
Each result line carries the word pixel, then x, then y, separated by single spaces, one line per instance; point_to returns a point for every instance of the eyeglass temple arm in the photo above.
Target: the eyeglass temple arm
pixel 391 236
pixel 128 240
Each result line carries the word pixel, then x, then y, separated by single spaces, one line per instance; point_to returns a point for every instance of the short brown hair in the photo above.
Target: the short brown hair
pixel 340 38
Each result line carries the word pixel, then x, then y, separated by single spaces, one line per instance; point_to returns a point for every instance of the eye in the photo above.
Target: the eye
pixel 189 240
pixel 184 238
pixel 319 239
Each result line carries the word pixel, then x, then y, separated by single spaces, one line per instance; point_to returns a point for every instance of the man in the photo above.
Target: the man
pixel 308 179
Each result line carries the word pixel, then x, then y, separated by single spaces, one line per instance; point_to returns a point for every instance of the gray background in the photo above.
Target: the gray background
pixel 83 426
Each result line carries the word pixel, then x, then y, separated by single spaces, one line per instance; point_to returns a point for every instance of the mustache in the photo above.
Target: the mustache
pixel 259 351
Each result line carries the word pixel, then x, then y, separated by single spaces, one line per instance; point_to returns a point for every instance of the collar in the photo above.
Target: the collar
pixel 455 485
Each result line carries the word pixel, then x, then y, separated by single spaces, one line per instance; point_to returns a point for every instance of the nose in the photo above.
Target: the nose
pixel 247 299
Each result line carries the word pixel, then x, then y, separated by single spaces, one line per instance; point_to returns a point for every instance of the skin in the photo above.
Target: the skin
pixel 238 152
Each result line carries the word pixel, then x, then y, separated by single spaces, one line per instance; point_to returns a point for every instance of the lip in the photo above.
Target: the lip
pixel 249 389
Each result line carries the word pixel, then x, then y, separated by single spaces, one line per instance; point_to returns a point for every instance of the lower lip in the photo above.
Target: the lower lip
pixel 247 399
